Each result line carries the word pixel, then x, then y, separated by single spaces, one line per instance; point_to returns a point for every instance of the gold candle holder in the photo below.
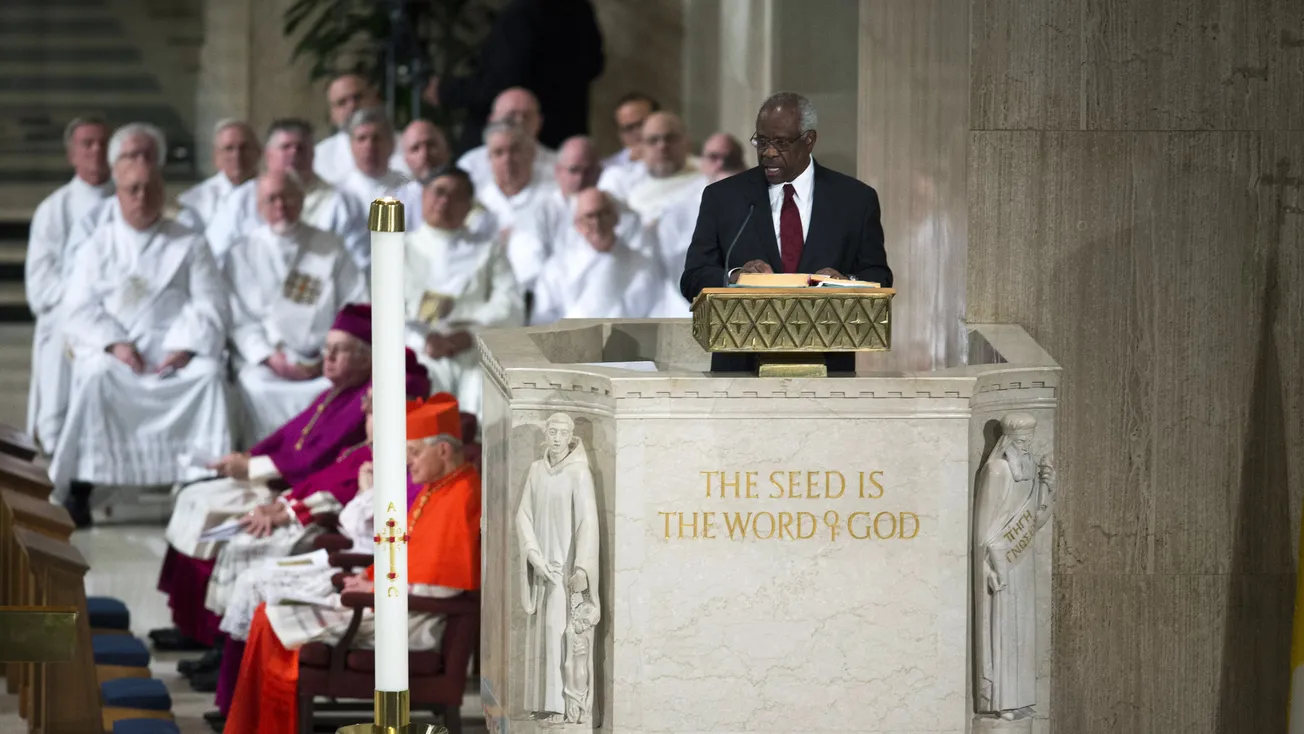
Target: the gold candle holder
pixel 393 716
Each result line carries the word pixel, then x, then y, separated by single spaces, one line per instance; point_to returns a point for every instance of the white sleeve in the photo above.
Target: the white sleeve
pixel 349 221
pixel 201 328
pixel 548 300
pixel 262 468
pixel 505 305
pixel 86 321
pixel 248 335
pixel 43 270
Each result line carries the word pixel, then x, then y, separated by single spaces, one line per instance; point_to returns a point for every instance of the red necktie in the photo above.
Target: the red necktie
pixel 790 237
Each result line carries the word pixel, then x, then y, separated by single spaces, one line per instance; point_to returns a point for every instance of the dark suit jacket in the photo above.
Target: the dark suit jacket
pixel 845 234
pixel 552 48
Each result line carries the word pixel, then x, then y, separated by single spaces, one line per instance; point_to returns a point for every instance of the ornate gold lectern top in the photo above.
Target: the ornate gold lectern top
pixel 787 328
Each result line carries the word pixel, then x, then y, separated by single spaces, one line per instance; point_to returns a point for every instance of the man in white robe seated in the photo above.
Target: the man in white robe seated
pixel 674 232
pixel 631 112
pixel 422 150
pixel 670 175
pixel 287 281
pixel 514 189
pixel 147 319
pixel 520 108
pixel 456 284
pixel 532 242
pixel 235 156
pixel 721 151
pixel 371 138
pixel 346 94
pixel 604 275
pixel 86 141
pixel 289 148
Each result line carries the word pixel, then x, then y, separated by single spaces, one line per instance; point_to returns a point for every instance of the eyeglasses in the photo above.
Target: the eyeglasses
pixel 631 127
pixel 783 145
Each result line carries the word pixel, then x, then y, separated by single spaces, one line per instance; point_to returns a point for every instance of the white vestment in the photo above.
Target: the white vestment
pixel 652 195
pixel 202 506
pixel 510 211
pixel 398 164
pixel 205 197
pixel 476 164
pixel 273 578
pixel 535 237
pixel 52 226
pixel 366 189
pixel 324 207
pixel 674 232
pixel 618 180
pixel 582 283
pixel 332 158
pixel 102 216
pixel 285 292
pixel 475 274
pixel 160 291
pixel 616 160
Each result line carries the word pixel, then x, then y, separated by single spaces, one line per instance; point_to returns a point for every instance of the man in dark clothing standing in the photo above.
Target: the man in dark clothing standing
pixel 551 47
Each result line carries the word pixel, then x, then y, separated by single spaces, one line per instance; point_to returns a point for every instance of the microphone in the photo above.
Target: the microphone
pixel 750 208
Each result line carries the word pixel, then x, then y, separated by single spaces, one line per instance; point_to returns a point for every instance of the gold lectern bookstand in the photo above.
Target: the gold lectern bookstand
pixel 790 329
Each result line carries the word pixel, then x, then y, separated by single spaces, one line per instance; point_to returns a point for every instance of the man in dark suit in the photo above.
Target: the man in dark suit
pixel 804 218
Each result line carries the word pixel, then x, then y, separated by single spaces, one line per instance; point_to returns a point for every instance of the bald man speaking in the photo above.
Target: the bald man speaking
pixel 787 215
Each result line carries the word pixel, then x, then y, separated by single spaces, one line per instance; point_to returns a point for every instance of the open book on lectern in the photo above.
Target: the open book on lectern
pixel 797 280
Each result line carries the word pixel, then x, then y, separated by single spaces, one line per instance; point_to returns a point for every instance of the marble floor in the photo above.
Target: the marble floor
pixel 125 552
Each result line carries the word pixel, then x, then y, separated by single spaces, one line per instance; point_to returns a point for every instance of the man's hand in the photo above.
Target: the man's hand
pixel 359 583
pixel 127 354
pixel 287 370
pixel 175 361
pixel 235 466
pixel 257 523
pixel 431 92
pixel 830 272
pixel 366 477
pixel 439 346
pixel 752 266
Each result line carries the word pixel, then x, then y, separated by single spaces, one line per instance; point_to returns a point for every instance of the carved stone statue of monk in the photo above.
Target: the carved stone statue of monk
pixel 1011 503
pixel 557 526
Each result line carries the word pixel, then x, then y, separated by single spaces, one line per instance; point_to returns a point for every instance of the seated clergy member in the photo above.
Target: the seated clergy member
pixel 443 561
pixel 845 240
pixel 371 136
pixel 517 107
pixel 289 149
pixel 147 318
pixel 664 176
pixel 533 240
pixel 603 274
pixel 86 141
pixel 309 442
pixel 287 281
pixel 235 156
pixel 456 284
pixel 514 189
pixel 674 231
pixel 632 111
pixel 422 150
pixel 347 93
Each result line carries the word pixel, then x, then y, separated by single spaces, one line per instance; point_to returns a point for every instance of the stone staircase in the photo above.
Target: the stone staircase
pixel 122 60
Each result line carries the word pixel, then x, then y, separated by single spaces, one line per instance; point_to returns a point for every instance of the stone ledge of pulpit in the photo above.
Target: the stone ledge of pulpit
pixel 846 606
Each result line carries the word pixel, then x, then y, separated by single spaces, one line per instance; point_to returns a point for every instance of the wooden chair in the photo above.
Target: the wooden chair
pixel 437 678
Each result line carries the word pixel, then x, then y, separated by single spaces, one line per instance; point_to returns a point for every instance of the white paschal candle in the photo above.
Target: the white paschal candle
pixel 389 416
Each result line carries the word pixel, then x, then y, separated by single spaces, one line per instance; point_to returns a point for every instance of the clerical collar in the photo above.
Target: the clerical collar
pixel 82 185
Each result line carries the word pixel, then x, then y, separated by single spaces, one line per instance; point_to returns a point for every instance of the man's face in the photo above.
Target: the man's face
pixel 716 152
pixel 665 147
pixel 445 202
pixel 372 144
pixel 88 152
pixel 428 462
pixel 289 151
pixel 347 95
pixel 140 193
pixel 140 147
pixel 559 438
pixel 595 219
pixel 424 149
pixel 629 122
pixel 279 202
pixel 577 169
pixel 510 161
pixel 345 361
pixel 783 150
pixel 518 108
pixel 235 153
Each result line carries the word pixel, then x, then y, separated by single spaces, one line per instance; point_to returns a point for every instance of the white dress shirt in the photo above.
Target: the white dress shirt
pixel 805 189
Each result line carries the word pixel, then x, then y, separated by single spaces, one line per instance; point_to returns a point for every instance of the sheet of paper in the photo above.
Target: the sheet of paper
pixel 225 531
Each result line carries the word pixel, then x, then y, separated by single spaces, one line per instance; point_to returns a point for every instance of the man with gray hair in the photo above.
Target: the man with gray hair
pixel 761 220
pixel 286 280
pixel 519 108
pixel 235 156
pixel 289 149
pixel 347 93
pixel 666 174
pixel 535 239
pixel 515 187
pixel 371 138
pixel 86 141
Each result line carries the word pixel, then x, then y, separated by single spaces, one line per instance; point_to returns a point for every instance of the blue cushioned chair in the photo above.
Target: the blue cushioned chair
pixel 145 726
pixel 136 693
pixel 120 650
pixel 107 613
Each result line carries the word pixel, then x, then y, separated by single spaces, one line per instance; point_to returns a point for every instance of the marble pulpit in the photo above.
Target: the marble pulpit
pixel 671 551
